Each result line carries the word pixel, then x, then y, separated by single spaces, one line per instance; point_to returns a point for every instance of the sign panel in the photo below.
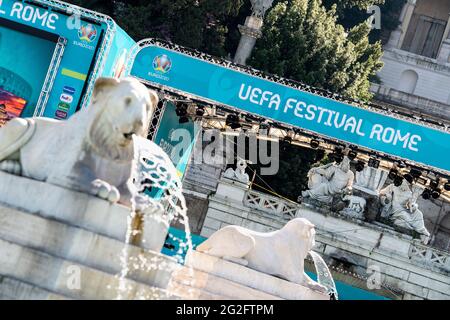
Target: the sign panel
pixel 83 38
pixel 321 115
pixel 177 140
pixel 15 70
pixel 11 106
pixel 118 53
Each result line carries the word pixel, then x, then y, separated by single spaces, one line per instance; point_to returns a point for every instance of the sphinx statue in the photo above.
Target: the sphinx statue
pixel 400 206
pixel 329 180
pixel 280 253
pixel 239 173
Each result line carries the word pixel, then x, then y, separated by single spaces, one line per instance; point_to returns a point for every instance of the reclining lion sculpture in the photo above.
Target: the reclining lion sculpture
pixel 280 253
pixel 92 152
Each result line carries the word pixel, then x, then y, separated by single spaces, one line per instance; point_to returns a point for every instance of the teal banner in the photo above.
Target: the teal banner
pixel 177 140
pixel 26 53
pixel 326 117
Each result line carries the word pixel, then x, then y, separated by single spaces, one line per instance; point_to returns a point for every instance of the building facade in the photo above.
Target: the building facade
pixel 416 74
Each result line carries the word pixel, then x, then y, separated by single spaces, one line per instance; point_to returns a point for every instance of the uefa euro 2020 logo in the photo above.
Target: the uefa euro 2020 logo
pixel 162 63
pixel 87 32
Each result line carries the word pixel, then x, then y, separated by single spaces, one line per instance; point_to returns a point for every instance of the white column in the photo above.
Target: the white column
pixel 250 32
pixel 444 52
pixel 398 36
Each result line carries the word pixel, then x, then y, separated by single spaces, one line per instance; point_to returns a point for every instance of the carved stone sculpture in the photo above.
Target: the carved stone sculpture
pixel 329 180
pixel 93 151
pixel 280 253
pixel 259 7
pixel 356 207
pixel 400 206
pixel 238 173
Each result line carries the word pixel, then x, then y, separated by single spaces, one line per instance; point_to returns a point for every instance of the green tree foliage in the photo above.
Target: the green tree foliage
pixel 199 24
pixel 295 162
pixel 352 12
pixel 303 41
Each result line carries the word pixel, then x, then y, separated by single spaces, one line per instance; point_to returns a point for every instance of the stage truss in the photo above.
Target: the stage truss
pixel 216 114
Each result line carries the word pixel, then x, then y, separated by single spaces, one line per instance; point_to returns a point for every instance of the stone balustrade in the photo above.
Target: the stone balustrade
pixel 430 256
pixel 269 204
pixel 419 104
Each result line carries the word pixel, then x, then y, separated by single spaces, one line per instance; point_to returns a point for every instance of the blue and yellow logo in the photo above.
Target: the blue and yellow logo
pixel 162 63
pixel 87 32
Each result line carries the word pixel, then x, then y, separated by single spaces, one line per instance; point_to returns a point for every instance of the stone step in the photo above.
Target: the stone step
pixel 66 278
pixel 82 247
pixel 11 289
pixel 77 209
pixel 252 278
pixel 187 292
pixel 211 284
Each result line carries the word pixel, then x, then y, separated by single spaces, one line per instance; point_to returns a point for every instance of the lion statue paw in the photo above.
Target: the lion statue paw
pixel 11 166
pixel 105 191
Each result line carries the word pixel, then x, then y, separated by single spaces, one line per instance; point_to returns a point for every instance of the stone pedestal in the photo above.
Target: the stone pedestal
pixel 60 244
pixel 232 190
pixel 77 209
pixel 215 278
pixel 368 184
pixel 372 202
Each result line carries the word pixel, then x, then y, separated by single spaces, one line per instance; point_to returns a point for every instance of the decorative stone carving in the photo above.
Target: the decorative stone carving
pixel 355 208
pixel 93 151
pixel 238 174
pixel 329 180
pixel 370 180
pixel 260 7
pixel 400 206
pixel 280 253
pixel 368 184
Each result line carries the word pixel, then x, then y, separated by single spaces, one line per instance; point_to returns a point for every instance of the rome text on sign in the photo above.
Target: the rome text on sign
pixel 32 14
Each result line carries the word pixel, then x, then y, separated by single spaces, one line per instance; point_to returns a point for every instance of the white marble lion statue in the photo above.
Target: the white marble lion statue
pixel 92 152
pixel 280 253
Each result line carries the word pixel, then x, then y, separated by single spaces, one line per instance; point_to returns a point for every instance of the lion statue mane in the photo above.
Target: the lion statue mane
pixel 280 253
pixel 92 152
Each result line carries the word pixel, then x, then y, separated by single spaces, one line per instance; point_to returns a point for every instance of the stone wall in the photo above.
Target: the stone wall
pixel 59 244
pixel 433 78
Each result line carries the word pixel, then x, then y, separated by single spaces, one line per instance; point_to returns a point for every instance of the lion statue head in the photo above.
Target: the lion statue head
pixel 121 109
pixel 305 232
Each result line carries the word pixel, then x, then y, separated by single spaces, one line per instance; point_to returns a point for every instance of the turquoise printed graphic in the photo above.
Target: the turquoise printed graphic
pixel 301 109
pixel 23 71
pixel 82 39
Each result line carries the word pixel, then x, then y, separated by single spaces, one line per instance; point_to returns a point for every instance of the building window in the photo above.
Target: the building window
pixel 426 37
pixel 408 81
